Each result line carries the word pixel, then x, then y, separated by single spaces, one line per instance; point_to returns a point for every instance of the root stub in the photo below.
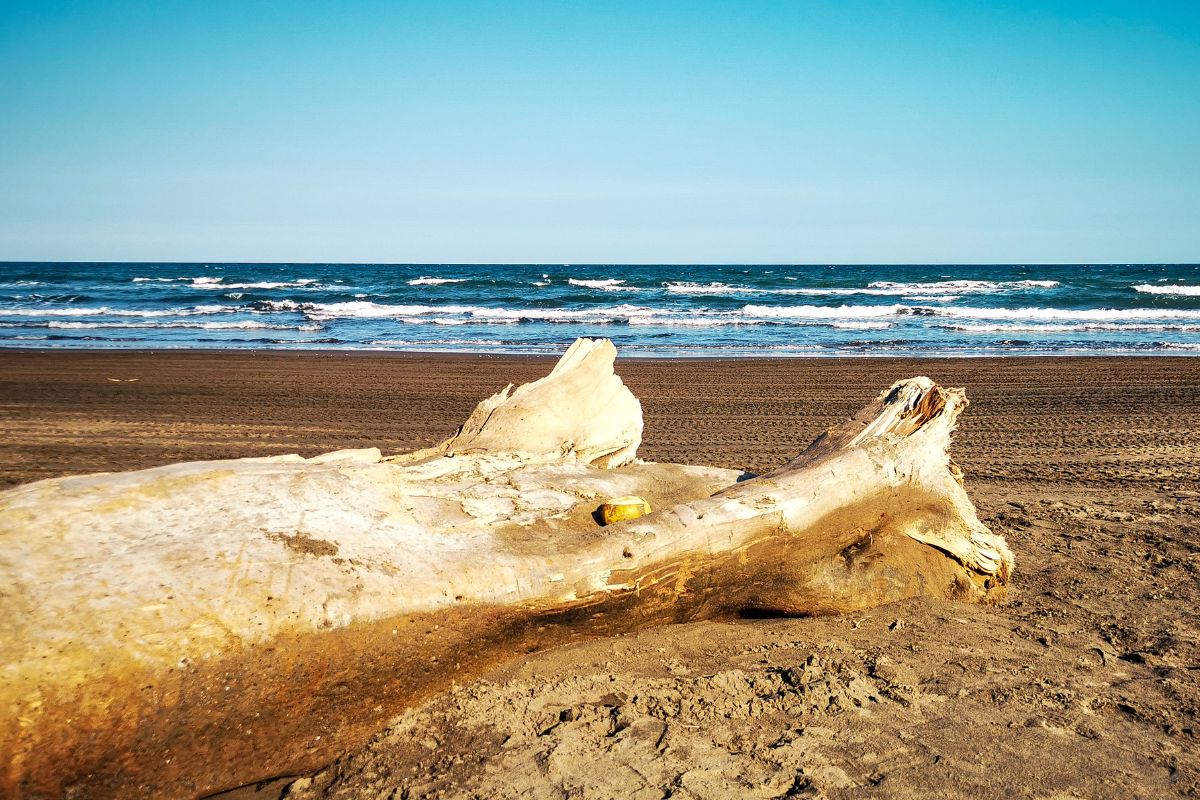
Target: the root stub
pixel 200 626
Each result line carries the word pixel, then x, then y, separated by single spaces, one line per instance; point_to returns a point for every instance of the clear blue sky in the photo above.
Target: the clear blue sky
pixel 598 131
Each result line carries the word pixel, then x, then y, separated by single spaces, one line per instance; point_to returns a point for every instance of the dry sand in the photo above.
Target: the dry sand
pixel 1086 683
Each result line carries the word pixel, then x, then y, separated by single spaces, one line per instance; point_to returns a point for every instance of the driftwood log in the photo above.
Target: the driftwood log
pixel 192 628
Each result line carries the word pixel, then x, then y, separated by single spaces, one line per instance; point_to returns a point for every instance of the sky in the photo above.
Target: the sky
pixel 603 132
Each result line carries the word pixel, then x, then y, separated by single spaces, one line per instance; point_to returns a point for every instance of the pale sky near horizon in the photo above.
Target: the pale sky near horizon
pixel 739 132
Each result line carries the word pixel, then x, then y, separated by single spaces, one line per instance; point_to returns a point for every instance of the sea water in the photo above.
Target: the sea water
pixel 648 310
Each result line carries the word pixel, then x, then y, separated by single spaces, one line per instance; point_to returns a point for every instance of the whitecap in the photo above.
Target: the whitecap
pixel 1035 313
pixel 433 321
pixel 1062 327
pixel 434 342
pixel 219 284
pixel 103 311
pixel 239 325
pixel 692 321
pixel 363 309
pixel 1179 289
pixel 824 312
pixel 688 287
pixel 861 325
pixel 426 281
pixel 595 284
pixel 933 291
pixel 961 286
pixel 608 285
pixel 597 314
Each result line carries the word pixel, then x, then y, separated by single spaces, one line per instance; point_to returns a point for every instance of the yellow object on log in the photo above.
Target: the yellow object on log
pixel 623 508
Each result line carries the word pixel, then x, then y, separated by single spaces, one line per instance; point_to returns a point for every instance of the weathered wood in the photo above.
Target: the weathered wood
pixel 195 627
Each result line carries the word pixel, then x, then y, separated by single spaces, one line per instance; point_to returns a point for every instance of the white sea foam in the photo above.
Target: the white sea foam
pixel 959 287
pixel 862 325
pixel 717 319
pixel 692 322
pixel 608 285
pixel 433 321
pixel 105 311
pixel 369 310
pixel 239 325
pixel 362 309
pixel 1040 313
pixel 824 312
pixel 973 312
pixel 424 281
pixel 219 284
pixel 1178 289
pixel 935 291
pixel 605 313
pixel 595 284
pixel 1059 327
pixel 687 287
pixel 437 342
pixel 938 291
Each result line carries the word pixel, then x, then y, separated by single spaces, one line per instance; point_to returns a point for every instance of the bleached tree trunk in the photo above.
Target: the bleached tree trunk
pixel 195 627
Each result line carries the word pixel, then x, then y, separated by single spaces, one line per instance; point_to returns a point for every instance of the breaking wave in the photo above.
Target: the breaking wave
pixel 608 284
pixel 212 326
pixel 106 311
pixel 939 290
pixel 424 281
pixel 219 284
pixel 958 287
pixel 1051 327
pixel 966 312
pixel 685 287
pixel 1179 289
pixel 825 312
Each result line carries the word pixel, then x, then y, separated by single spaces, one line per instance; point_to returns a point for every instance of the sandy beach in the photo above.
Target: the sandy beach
pixel 1085 683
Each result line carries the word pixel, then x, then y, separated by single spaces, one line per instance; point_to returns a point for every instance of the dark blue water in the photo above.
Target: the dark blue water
pixel 667 310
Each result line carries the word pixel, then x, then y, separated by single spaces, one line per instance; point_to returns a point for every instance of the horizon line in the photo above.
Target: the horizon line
pixel 627 263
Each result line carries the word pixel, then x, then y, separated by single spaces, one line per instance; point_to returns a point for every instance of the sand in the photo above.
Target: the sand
pixel 1086 683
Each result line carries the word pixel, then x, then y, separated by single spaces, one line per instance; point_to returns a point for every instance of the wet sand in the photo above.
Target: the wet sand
pixel 1085 683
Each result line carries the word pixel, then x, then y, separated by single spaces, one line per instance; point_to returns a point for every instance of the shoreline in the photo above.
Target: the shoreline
pixel 624 356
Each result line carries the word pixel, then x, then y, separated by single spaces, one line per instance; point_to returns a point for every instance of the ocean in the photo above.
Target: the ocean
pixel 647 310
